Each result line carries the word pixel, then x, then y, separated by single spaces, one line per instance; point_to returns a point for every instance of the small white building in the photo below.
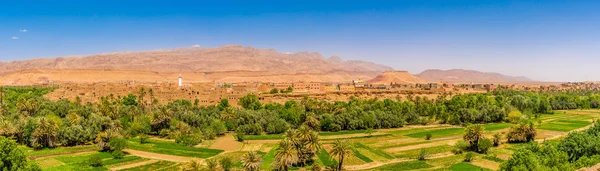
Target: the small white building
pixel 180 80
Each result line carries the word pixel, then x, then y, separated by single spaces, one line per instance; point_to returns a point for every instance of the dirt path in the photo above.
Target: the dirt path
pixel 132 165
pixel 162 156
pixel 382 163
pixel 227 143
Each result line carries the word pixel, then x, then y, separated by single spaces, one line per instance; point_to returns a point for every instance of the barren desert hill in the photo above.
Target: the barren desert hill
pixel 197 59
pixel 396 77
pixel 468 76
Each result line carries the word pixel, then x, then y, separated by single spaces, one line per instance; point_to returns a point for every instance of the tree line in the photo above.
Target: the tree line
pixel 41 123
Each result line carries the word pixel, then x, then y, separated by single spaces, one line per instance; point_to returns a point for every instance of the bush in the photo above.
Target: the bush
pixel 226 163
pixel 239 136
pixel 165 133
pixel 143 138
pixel 428 136
pixel 189 139
pixel 460 147
pixel 484 145
pixel 95 161
pixel 422 154
pixel 468 157
pixel 117 143
pixel 497 139
pixel 118 154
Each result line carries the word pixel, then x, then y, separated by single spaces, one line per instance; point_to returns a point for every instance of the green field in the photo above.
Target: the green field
pixel 268 159
pixel 412 165
pixel 161 165
pixel 54 151
pixel 465 167
pixel 81 162
pixel 564 125
pixel 431 150
pixel 438 133
pixel 496 126
pixel 171 148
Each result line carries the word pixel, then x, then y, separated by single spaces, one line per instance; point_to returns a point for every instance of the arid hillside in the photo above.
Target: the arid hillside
pixel 197 59
pixel 231 63
pixel 468 76
pixel 396 77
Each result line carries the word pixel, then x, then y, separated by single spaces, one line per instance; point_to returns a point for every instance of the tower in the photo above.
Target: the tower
pixel 180 80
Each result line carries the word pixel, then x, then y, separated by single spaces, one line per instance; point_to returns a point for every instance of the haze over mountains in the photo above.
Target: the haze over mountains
pixel 231 63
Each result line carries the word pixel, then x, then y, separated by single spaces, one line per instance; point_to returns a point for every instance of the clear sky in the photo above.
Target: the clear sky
pixel 547 40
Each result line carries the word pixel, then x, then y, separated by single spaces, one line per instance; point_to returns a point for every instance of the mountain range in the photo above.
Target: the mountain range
pixel 230 63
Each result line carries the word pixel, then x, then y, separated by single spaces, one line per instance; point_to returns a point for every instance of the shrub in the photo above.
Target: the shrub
pixel 514 116
pixel 118 154
pixel 460 147
pixel 468 157
pixel 117 144
pixel 422 154
pixel 226 163
pixel 497 139
pixel 165 133
pixel 143 138
pixel 95 161
pixel 239 136
pixel 189 139
pixel 484 145
pixel 428 136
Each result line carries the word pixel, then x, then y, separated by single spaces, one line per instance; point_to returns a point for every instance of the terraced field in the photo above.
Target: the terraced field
pixel 387 149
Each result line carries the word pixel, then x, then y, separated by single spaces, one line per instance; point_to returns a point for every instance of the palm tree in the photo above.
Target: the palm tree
pixel 341 149
pixel 285 154
pixel 212 164
pixel 474 133
pixel 192 166
pixel 251 161
pixel 313 142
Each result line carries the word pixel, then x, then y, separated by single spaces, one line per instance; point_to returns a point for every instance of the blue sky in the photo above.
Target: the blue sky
pixel 547 40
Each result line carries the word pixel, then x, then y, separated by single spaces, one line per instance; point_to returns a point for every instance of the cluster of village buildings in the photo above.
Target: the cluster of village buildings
pixel 211 93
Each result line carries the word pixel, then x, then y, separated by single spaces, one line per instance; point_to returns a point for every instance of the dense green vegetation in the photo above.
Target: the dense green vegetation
pixel 577 150
pixel 36 122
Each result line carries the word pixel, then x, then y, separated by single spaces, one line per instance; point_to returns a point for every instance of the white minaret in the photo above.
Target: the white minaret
pixel 180 80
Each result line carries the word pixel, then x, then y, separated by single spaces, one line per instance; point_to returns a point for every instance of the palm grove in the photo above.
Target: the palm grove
pixel 35 121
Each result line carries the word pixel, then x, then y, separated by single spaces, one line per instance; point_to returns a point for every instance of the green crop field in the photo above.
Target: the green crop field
pixel 438 133
pixel 171 148
pixel 564 125
pixel 465 167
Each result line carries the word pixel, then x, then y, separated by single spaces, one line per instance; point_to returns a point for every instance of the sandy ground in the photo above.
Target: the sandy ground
pixel 227 143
